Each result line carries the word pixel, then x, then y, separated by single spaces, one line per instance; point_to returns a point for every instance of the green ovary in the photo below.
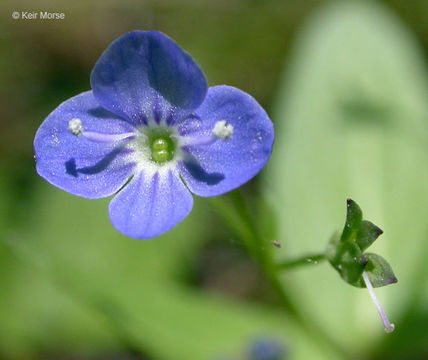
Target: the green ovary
pixel 162 149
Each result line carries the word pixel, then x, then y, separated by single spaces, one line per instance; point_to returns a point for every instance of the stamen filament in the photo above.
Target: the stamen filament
pixel 75 127
pixel 221 130
pixel 196 140
pixel 389 327
pixel 99 137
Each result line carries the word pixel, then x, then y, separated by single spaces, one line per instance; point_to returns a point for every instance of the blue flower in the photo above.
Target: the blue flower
pixel 150 132
pixel 267 349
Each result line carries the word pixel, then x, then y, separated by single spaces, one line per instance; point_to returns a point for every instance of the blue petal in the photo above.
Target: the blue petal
pixel 142 71
pixel 75 164
pixel 226 164
pixel 150 205
pixel 267 349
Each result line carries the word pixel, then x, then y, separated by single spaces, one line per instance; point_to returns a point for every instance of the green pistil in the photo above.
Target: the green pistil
pixel 162 149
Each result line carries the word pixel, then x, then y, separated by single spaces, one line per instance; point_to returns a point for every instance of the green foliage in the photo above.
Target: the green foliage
pixel 378 270
pixel 368 233
pixel 72 284
pixel 345 253
pixel 351 122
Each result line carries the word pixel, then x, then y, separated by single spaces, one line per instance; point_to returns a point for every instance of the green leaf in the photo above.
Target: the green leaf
pixel 348 260
pixel 96 291
pixel 345 253
pixel 378 270
pixel 367 234
pixel 354 217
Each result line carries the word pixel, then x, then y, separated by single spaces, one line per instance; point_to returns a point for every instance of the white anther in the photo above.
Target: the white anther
pixel 222 130
pixel 75 126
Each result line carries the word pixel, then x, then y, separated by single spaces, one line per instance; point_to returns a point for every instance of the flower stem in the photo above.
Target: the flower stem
pixel 241 220
pixel 304 260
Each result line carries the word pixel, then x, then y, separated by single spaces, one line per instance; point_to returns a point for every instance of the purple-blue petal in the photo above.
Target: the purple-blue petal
pixel 146 71
pixel 267 349
pixel 226 164
pixel 150 205
pixel 74 164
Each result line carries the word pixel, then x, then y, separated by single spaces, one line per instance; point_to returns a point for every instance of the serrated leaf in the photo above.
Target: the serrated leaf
pixel 378 270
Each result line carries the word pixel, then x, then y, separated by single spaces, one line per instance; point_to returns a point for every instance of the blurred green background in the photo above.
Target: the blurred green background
pixel 346 86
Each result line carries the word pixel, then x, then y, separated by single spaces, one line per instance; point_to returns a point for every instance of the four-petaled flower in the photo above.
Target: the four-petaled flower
pixel 149 131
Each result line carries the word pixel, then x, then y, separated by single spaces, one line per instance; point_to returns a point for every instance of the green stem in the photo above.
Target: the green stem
pixel 304 260
pixel 242 222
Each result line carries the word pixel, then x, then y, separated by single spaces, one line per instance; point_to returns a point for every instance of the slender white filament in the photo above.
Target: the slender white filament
pixel 75 127
pixel 221 130
pixel 99 137
pixel 388 326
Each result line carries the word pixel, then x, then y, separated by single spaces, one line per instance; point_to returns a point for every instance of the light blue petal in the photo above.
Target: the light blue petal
pixel 75 164
pixel 146 74
pixel 224 165
pixel 150 205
